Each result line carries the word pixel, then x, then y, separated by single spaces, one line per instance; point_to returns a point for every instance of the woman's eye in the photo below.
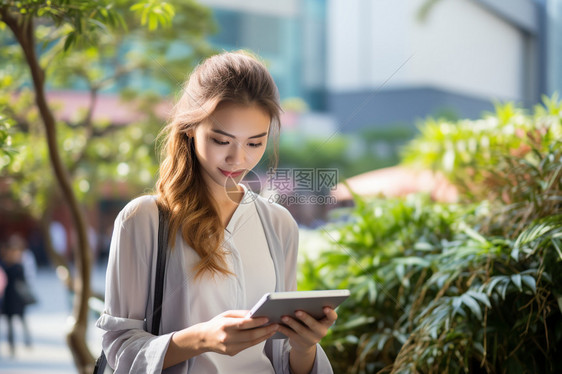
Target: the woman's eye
pixel 219 142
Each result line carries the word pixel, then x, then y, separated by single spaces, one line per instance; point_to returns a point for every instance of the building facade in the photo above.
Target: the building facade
pixel 379 63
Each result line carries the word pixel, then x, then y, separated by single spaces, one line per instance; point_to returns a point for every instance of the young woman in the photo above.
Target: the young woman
pixel 227 246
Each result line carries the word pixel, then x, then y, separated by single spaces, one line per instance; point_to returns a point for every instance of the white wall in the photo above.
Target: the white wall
pixel 343 45
pixel 554 46
pixel 463 47
pixel 460 47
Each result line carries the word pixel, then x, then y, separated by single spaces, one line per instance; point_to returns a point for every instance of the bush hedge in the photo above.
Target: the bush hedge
pixel 456 288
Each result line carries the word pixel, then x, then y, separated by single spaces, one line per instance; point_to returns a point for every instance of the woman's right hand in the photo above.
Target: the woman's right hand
pixel 231 332
pixel 228 333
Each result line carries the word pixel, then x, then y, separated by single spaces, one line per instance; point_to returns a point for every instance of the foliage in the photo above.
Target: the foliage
pixel 95 160
pixel 433 295
pixel 84 46
pixel 472 287
pixel 351 154
pixel 6 148
pixel 300 151
pixel 468 151
pixel 524 189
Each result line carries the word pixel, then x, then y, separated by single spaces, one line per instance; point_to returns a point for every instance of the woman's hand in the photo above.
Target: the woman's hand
pixel 304 336
pixel 228 333
pixel 231 332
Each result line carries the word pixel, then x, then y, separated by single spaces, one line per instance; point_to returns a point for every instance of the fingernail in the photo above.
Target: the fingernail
pixel 299 314
pixel 285 319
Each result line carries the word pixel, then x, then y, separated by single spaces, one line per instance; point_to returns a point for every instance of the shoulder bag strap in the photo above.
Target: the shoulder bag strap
pixel 160 271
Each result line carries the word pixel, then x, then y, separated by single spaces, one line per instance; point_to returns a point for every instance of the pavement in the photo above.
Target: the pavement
pixel 48 323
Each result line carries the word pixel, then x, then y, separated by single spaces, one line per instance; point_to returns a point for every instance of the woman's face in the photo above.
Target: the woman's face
pixel 230 143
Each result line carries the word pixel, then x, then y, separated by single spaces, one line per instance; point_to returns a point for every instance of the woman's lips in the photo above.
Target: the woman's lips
pixel 231 174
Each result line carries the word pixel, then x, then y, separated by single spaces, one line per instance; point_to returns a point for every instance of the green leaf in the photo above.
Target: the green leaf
pixel 70 39
pixel 557 245
pixel 152 21
pixel 472 305
pixel 355 322
pixel 480 296
pixel 503 289
pixel 352 339
pixel 539 229
pixel 472 233
pixel 137 7
pixel 515 253
pixel 457 304
pixel 423 246
pixel 410 261
pixel 530 282
pixel 516 279
pixel 372 286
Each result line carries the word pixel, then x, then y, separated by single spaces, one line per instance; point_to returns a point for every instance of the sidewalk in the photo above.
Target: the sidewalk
pixel 47 322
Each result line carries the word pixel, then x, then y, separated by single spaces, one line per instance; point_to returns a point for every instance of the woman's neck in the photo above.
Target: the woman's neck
pixel 227 201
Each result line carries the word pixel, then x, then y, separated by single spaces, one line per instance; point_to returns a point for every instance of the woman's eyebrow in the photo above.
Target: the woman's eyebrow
pixel 218 131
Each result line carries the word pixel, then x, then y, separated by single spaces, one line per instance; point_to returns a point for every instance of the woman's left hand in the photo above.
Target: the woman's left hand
pixel 306 334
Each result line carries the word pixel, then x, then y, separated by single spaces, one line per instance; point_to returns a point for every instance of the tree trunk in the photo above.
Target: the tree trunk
pixel 22 28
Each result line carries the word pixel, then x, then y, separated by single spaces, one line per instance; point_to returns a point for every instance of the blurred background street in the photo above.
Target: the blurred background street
pixel 48 322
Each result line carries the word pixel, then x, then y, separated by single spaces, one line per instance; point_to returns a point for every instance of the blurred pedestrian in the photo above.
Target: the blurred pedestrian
pixel 18 294
pixel 57 232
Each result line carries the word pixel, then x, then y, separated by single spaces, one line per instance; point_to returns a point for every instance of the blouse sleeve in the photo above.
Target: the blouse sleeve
pixel 128 347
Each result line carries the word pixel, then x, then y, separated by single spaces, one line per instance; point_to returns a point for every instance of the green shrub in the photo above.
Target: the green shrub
pixel 470 152
pixel 458 288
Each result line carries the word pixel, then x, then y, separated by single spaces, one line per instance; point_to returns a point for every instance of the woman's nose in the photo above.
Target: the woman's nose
pixel 236 154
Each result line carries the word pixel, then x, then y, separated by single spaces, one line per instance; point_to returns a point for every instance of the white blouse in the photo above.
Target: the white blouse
pixel 249 258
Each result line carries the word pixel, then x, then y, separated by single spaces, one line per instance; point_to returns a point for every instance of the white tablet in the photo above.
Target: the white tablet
pixel 278 304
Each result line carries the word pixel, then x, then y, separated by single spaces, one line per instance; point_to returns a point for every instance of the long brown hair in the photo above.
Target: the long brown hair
pixel 234 77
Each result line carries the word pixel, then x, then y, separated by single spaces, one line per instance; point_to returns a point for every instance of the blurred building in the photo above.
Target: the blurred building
pixel 377 63
pixel 393 63
pixel 289 35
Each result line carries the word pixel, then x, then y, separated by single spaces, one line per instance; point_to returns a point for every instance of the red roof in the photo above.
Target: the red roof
pixel 398 181
pixel 70 105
